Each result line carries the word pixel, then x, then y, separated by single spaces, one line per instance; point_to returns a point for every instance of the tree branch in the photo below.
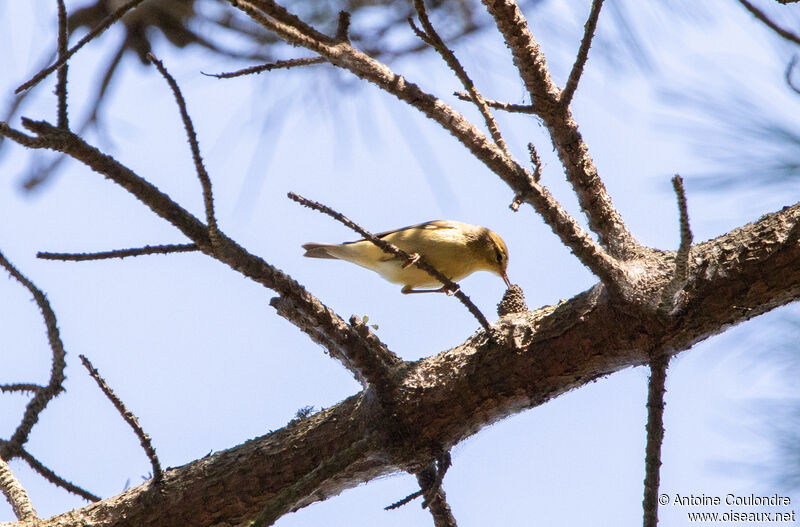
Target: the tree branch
pixel 278 64
pixel 105 24
pixel 682 256
pixel 16 495
pixel 583 54
pixel 119 253
pixel 448 397
pixel 55 386
pixel 202 174
pixel 61 84
pixel 655 437
pixel 581 172
pixel 520 180
pixel 449 57
pixel 294 302
pixel 129 418
pixel 760 15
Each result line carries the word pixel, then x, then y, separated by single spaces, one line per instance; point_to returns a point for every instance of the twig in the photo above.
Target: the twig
pixel 500 105
pixel 430 484
pixel 119 253
pixel 682 256
pixel 202 175
pixel 536 161
pixel 144 439
pixel 449 57
pixel 105 24
pixel 54 478
pixel 15 494
pixel 756 12
pixel 789 71
pixel 20 387
pixel 387 247
pixel 55 386
pixel 61 85
pixel 343 27
pixel 655 436
pixel 279 64
pixel 583 54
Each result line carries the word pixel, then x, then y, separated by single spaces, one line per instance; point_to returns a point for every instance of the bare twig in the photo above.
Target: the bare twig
pixel 449 57
pixel 387 247
pixel 655 436
pixel 129 418
pixel 15 494
pixel 760 15
pixel 536 161
pixel 343 28
pixel 789 71
pixel 682 256
pixel 105 24
pixel 430 484
pixel 42 396
pixel 583 54
pixel 21 387
pixel 202 174
pixel 500 105
pixel 279 64
pixel 61 85
pixel 120 253
pixel 54 478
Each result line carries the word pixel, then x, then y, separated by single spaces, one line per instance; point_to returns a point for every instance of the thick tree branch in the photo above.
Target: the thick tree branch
pixel 595 202
pixel 446 398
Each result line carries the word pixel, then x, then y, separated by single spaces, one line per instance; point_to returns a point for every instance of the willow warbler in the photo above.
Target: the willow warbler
pixel 455 249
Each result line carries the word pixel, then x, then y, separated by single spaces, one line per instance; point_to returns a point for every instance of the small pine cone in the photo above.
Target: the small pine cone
pixel 513 302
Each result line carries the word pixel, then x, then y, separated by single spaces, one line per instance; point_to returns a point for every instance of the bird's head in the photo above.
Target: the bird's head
pixel 493 253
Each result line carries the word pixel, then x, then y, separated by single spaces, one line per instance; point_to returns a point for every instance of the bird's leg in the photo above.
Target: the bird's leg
pixel 407 290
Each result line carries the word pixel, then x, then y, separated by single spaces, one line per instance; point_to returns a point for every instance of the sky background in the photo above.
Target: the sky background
pixel 197 353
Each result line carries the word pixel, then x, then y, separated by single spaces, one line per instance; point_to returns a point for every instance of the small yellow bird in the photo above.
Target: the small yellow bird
pixel 455 249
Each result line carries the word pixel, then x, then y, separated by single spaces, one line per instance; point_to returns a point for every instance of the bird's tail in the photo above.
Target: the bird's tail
pixel 317 250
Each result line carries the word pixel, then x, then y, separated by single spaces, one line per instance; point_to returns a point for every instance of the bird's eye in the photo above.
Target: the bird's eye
pixel 499 255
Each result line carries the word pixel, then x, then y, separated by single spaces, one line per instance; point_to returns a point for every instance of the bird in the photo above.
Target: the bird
pixel 455 249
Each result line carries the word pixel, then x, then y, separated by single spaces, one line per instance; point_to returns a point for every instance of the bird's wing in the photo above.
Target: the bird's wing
pixel 436 224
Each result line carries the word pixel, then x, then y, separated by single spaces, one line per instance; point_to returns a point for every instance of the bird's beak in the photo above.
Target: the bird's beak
pixel 506 280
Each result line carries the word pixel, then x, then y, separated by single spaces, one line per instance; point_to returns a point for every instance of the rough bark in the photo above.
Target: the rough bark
pixel 446 398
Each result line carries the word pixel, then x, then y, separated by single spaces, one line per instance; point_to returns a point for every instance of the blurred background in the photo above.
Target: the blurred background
pixel 197 353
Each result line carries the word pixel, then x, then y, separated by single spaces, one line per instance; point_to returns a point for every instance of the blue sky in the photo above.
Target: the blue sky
pixel 197 353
